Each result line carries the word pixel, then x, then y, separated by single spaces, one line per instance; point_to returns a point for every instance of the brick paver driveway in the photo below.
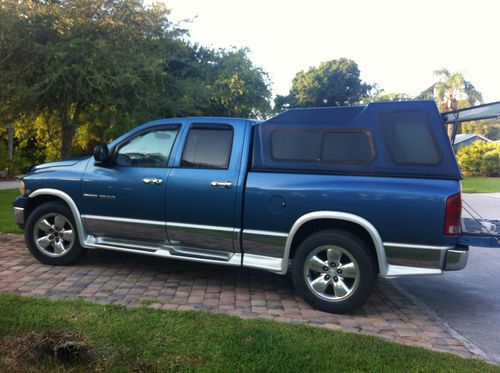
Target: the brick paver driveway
pixel 118 278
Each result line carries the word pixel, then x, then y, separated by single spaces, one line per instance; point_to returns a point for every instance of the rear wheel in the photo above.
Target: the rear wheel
pixel 51 234
pixel 334 271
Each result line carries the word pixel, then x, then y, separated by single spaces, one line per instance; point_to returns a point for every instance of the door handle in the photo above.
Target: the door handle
pixel 152 180
pixel 221 184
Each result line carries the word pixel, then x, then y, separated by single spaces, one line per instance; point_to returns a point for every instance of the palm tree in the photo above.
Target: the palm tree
pixel 453 92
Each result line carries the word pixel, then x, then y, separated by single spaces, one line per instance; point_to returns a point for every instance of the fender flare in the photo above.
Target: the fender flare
pixel 337 215
pixel 82 234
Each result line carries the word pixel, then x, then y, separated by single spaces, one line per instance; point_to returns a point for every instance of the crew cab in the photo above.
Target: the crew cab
pixel 335 196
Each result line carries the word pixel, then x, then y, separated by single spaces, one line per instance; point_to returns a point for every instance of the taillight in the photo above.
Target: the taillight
pixel 453 215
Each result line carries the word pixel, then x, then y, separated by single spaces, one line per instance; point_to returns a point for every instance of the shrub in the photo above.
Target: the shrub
pixel 480 159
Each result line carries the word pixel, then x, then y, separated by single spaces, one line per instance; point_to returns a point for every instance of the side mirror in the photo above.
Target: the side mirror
pixel 101 153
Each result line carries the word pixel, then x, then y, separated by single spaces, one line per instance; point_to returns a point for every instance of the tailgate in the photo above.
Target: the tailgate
pixel 480 232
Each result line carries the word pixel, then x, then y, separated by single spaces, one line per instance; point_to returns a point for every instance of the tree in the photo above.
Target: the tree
pixel 76 56
pixel 383 96
pixel 75 72
pixel 332 83
pixel 452 92
pixel 238 88
pixel 489 128
pixel 222 83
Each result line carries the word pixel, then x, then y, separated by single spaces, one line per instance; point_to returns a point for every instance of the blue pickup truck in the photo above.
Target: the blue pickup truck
pixel 333 196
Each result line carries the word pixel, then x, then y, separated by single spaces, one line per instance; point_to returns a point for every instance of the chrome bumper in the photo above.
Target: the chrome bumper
pixel 456 260
pixel 19 216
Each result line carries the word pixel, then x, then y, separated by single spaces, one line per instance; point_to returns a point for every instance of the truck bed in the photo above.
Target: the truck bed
pixel 475 232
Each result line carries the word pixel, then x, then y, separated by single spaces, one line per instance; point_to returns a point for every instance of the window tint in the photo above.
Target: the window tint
pixel 408 138
pixel 208 147
pixel 320 146
pixel 150 149
pixel 296 145
pixel 347 147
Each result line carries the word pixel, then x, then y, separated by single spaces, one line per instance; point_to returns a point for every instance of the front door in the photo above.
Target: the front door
pixel 201 191
pixel 125 201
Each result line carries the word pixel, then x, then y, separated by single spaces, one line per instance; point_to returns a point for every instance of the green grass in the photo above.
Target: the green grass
pixel 481 184
pixel 7 222
pixel 143 339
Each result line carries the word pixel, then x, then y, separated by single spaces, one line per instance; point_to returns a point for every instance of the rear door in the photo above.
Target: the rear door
pixel 201 195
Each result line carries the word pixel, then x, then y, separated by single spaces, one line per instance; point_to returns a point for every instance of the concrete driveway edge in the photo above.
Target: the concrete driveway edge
pixel 473 348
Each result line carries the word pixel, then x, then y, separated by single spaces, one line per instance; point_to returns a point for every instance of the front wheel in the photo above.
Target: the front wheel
pixel 334 271
pixel 51 234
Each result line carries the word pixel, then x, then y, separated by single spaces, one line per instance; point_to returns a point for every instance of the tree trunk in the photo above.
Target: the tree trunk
pixel 68 129
pixel 11 150
pixel 67 132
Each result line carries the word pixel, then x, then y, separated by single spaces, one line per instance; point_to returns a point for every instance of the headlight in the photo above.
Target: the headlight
pixel 23 188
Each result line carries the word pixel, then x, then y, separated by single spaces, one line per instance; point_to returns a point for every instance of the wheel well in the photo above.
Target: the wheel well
pixel 317 225
pixel 34 202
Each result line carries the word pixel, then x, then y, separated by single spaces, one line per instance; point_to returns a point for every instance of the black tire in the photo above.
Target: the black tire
pixel 351 247
pixel 75 250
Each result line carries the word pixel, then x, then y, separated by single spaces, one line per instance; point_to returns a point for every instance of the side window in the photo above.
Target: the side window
pixel 150 149
pixel 341 146
pixel 296 145
pixel 208 147
pixel 409 139
pixel 348 147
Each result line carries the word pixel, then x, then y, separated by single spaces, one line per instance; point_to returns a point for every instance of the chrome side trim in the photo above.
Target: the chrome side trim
pixel 412 246
pixel 123 220
pixel 82 233
pixel 338 215
pixel 415 255
pixel 125 228
pixel 265 233
pixel 264 243
pixel 198 226
pixel 19 215
pixel 205 237
pixel 157 222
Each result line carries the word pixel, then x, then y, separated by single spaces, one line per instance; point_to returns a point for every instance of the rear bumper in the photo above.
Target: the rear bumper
pixel 456 259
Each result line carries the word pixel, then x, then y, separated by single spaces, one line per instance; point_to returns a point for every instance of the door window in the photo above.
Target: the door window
pixel 149 149
pixel 208 147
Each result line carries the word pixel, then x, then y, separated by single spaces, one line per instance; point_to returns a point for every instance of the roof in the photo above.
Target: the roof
pixel 346 114
pixel 467 136
pixel 179 121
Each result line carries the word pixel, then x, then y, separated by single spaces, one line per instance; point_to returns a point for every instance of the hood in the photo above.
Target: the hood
pixel 65 163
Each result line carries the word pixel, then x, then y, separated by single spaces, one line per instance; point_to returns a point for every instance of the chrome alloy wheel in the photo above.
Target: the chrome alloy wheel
pixel 54 235
pixel 331 273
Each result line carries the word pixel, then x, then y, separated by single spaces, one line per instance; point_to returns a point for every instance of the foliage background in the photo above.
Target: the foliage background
pixel 78 72
pixel 75 73
pixel 480 159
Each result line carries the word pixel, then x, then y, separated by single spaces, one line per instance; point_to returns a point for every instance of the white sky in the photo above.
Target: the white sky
pixel 396 44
